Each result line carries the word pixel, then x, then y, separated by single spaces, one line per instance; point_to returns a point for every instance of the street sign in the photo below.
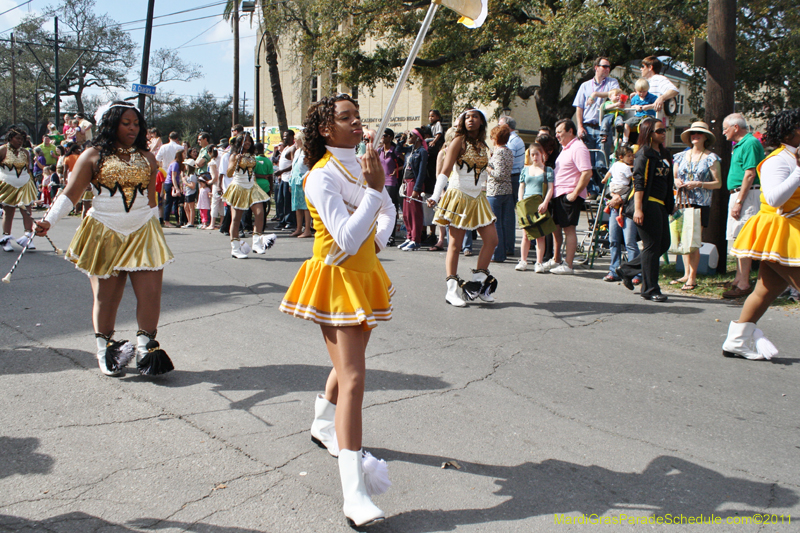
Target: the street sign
pixel 143 89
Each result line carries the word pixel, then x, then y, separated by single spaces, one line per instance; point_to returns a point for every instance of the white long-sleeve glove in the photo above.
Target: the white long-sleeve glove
pixel 441 182
pixel 61 208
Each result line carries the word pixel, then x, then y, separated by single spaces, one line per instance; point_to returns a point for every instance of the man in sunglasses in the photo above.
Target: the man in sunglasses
pixel 590 97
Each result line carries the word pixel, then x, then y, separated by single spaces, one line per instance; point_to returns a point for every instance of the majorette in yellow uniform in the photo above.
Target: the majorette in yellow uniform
pixel 17 189
pixel 773 234
pixel 243 191
pixel 121 231
pixel 343 284
pixel 465 194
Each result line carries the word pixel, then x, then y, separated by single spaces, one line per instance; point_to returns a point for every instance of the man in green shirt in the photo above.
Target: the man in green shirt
pixel 263 172
pixel 743 184
pixel 203 158
pixel 49 150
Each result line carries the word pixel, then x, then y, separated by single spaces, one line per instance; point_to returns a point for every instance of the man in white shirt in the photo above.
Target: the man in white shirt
pixel 166 154
pixel 659 85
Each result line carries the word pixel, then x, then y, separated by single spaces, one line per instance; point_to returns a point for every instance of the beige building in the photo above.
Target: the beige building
pixel 302 86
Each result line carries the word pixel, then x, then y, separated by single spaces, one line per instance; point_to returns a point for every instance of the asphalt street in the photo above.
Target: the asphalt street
pixel 567 402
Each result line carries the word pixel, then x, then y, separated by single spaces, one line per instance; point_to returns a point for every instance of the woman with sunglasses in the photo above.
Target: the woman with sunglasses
pixel 653 202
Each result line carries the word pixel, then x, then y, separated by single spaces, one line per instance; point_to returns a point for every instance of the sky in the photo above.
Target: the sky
pixel 207 42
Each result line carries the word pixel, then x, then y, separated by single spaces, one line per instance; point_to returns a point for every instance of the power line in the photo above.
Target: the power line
pixel 15 7
pixel 198 35
pixel 220 41
pixel 176 22
pixel 171 14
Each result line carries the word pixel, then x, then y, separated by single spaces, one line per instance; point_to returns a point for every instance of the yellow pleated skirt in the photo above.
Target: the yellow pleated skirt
pixel 332 295
pixel 768 236
pixel 241 198
pixel 473 213
pixel 99 251
pixel 18 196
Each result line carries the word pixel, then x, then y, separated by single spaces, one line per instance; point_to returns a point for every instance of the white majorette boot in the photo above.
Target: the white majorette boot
pixel 454 292
pixel 323 429
pixel 113 356
pixel 151 360
pixel 236 249
pixel 488 285
pixel 26 237
pixel 5 242
pixel 747 341
pixel 358 507
pixel 258 246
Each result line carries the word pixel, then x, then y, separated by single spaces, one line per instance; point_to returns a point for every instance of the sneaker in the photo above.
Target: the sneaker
pixel 538 268
pixel 411 247
pixel 610 277
pixel 550 265
pixel 562 269
pixel 404 244
pixel 522 265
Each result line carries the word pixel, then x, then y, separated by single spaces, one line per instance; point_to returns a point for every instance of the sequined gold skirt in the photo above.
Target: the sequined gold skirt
pixel 18 196
pixel 241 198
pixel 99 251
pixel 476 212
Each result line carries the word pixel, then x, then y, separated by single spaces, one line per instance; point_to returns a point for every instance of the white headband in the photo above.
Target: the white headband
pixel 103 109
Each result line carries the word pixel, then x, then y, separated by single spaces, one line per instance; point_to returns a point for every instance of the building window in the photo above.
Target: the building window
pixel 676 134
pixel 335 78
pixel 679 100
pixel 314 88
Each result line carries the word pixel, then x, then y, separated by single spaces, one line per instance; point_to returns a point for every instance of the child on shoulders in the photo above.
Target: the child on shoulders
pixel 611 112
pixel 643 102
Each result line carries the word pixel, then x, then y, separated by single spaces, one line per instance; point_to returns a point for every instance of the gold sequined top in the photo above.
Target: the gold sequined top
pixel 247 163
pixel 18 162
pixel 129 177
pixel 475 159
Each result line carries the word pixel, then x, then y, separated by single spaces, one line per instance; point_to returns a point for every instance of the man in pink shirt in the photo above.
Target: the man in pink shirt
pixel 572 174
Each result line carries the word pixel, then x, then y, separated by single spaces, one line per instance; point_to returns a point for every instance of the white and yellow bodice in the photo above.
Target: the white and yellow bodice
pixel 469 173
pixel 120 193
pixel 243 175
pixel 14 168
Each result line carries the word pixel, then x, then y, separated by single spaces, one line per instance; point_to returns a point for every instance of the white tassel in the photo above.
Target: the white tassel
pixel 268 240
pixel 376 474
pixel 764 347
pixel 126 353
pixel 246 248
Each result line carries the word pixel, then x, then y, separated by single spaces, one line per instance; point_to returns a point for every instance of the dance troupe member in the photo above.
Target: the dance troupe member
pixel 344 288
pixel 464 208
pixel 242 194
pixel 771 236
pixel 120 235
pixel 17 188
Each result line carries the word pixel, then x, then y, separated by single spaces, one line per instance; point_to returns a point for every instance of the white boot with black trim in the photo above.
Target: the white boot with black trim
pixel 747 341
pixel 358 506
pixel 323 429
pixel 258 244
pixel 236 249
pixel 5 242
pixel 488 285
pixel 453 295
pixel 113 356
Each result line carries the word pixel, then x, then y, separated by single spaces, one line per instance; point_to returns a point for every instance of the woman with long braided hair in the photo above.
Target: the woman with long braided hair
pixel 120 235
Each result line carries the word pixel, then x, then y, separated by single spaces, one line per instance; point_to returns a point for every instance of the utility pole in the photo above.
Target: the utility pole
pixel 244 104
pixel 257 118
pixel 148 31
pixel 235 116
pixel 56 79
pixel 720 68
pixel 13 82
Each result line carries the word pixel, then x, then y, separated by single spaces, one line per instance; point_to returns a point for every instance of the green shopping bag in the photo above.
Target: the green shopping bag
pixel 534 223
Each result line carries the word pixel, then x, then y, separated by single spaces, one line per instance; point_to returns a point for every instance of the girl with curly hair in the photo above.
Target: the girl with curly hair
pixel 464 208
pixel 17 188
pixel 343 287
pixel 120 236
pixel 771 236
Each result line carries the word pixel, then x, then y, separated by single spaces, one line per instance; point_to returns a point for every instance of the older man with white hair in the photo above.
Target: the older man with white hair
pixel 743 184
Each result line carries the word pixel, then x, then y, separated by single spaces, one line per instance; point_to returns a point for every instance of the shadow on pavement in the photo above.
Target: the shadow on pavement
pixel 277 380
pixel 564 309
pixel 78 521
pixel 668 486
pixel 19 457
